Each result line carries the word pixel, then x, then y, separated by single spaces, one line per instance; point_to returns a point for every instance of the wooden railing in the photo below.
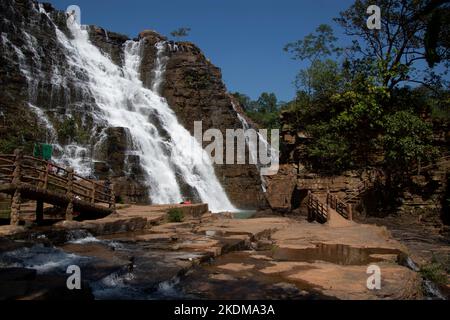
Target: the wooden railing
pixel 7 168
pixel 444 158
pixel 362 187
pixel 345 210
pixel 317 211
pixel 19 169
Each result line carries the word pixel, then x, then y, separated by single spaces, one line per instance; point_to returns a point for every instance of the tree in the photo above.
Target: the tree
pixel 352 101
pixel 321 79
pixel 391 53
pixel 314 46
pixel 407 142
pixel 247 104
pixel 180 32
pixel 437 36
pixel 267 103
pixel 264 111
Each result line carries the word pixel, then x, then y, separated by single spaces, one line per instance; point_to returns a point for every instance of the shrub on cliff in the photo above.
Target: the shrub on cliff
pixel 175 215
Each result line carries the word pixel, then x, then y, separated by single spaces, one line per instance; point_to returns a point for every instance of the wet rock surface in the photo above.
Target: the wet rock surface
pixel 427 243
pixel 214 257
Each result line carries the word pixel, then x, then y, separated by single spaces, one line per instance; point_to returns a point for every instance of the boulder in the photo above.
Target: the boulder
pixel 280 188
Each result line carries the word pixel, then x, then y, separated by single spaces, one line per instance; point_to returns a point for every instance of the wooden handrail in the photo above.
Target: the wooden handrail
pixel 23 168
pixel 316 209
pixel 344 209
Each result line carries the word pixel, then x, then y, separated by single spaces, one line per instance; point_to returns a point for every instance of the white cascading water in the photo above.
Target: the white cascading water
pixel 253 147
pixel 167 157
pixel 72 155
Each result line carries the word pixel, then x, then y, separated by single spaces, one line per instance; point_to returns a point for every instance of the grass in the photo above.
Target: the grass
pixel 434 272
pixel 175 215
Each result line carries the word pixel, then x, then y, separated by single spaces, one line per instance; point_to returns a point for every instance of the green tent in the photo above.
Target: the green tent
pixel 43 151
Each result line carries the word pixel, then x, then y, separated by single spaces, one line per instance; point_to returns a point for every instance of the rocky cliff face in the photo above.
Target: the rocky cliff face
pixel 44 100
pixel 194 89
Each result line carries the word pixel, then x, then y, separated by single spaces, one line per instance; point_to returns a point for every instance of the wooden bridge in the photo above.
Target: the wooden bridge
pixel 319 210
pixel 25 177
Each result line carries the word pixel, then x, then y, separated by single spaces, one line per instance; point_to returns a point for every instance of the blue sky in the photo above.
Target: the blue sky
pixel 244 38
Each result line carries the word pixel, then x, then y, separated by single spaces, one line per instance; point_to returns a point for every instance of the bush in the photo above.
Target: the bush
pixel 176 215
pixel 407 140
pixel 434 272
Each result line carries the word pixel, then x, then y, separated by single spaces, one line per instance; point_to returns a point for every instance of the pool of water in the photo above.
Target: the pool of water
pixel 333 253
pixel 244 214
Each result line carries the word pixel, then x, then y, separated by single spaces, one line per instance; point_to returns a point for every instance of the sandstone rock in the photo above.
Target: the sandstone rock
pixel 116 145
pixel 101 169
pixel 109 42
pixel 280 189
pixel 419 181
pixel 194 89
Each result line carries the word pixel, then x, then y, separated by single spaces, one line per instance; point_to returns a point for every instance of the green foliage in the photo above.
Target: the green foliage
pixel 19 137
pixel 437 36
pixel 267 103
pixel 67 129
pixel 267 120
pixel 119 200
pixel 434 272
pixel 247 104
pixel 315 45
pixel 407 141
pixel 328 152
pixel 9 144
pixel 322 78
pixel 265 111
pixel 352 108
pixel 197 80
pixel 396 54
pixel 175 215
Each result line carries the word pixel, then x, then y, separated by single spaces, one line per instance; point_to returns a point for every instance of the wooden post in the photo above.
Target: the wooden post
pixel 39 211
pixel 46 176
pixel 328 196
pixel 328 213
pixel 309 206
pixel 17 174
pixel 350 211
pixel 112 200
pixel 69 194
pixel 41 180
pixel 15 208
pixel 93 192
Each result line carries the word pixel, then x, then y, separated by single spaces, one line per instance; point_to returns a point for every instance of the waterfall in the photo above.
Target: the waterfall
pixel 169 155
pixel 253 147
pixel 160 67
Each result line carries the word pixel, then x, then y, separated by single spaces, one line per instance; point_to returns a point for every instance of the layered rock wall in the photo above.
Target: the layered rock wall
pixel 34 71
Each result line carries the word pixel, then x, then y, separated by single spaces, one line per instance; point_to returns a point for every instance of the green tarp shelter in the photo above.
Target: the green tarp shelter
pixel 43 151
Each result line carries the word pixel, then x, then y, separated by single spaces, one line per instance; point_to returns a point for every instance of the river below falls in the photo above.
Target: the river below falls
pixel 126 269
pixel 121 268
